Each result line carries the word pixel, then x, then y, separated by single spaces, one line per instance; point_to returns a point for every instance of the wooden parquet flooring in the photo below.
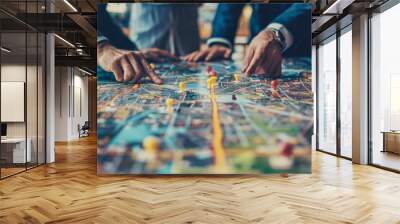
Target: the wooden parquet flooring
pixel 69 191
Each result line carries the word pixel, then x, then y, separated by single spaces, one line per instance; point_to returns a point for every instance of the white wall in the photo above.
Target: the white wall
pixel 33 126
pixel 9 73
pixel 17 73
pixel 62 82
pixel 81 89
pixel 71 94
pixel 13 72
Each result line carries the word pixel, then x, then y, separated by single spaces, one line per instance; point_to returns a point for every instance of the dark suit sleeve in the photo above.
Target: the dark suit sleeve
pixel 106 27
pixel 295 16
pixel 297 20
pixel 226 21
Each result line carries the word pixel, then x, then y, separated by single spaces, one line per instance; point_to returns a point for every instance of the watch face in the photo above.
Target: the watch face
pixel 279 35
pixel 276 32
pixel 279 38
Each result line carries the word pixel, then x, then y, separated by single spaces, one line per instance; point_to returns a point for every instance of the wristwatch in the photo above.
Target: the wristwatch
pixel 279 37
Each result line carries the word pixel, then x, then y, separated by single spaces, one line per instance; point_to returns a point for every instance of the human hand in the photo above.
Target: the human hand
pixel 126 65
pixel 264 55
pixel 214 52
pixel 158 55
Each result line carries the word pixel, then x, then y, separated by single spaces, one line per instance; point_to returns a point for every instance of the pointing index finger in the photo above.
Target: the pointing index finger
pixel 153 76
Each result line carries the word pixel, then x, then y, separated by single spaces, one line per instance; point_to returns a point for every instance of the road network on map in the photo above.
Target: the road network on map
pixel 237 125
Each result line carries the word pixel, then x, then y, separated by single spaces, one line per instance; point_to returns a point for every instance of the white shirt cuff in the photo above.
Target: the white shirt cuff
pixel 221 40
pixel 285 32
pixel 101 39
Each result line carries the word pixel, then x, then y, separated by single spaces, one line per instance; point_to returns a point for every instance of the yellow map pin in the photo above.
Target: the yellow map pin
pixel 237 77
pixel 182 86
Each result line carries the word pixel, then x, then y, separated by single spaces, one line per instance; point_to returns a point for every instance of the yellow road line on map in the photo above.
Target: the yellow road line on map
pixel 218 136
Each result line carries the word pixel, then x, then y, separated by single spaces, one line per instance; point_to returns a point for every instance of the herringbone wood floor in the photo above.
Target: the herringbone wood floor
pixel 70 192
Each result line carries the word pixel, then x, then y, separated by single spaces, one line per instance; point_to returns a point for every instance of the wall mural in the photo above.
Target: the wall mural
pixel 180 92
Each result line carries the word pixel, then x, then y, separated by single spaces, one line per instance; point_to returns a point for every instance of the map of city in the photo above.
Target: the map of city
pixel 190 125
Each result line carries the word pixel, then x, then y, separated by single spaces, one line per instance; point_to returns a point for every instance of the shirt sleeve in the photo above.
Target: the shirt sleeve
pixel 225 24
pixel 101 39
pixel 294 24
pixel 219 40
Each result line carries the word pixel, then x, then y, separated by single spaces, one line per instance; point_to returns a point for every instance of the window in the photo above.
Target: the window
pixel 346 93
pixel 385 89
pixel 327 96
pixel 22 78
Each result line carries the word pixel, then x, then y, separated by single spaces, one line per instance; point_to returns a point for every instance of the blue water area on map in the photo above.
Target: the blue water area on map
pixel 131 134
